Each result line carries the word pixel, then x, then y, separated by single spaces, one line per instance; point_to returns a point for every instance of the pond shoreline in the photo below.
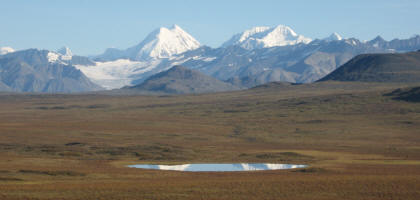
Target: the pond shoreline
pixel 216 167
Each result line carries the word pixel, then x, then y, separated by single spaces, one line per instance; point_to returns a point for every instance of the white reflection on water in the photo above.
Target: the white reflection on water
pixel 220 167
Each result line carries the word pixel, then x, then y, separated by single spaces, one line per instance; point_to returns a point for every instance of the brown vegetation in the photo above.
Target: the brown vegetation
pixel 359 144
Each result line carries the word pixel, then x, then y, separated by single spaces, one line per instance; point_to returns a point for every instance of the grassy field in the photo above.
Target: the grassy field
pixel 359 144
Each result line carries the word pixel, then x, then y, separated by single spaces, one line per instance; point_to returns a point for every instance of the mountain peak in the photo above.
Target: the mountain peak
pixel 333 37
pixel 175 26
pixel 253 31
pixel 378 42
pixel 163 43
pixel 263 37
pixel 285 30
pixel 378 38
pixel 65 51
pixel 6 50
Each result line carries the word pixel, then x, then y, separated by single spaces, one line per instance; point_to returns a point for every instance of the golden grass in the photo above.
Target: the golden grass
pixel 359 144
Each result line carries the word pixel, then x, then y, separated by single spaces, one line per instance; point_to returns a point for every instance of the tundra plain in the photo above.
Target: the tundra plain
pixel 358 142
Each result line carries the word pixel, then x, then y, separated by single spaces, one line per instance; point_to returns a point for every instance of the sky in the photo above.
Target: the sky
pixel 88 27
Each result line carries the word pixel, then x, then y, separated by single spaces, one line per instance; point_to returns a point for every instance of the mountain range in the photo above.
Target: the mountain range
pixel 256 56
pixel 35 70
pixel 250 58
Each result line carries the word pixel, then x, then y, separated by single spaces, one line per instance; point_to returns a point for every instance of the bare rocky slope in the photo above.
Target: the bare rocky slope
pixel 181 80
pixel 41 71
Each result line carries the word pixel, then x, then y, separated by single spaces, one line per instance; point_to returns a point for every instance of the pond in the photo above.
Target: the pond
pixel 214 167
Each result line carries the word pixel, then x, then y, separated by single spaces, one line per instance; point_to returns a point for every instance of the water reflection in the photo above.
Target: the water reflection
pixel 220 167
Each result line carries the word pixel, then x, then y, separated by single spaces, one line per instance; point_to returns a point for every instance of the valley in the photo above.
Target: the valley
pixel 210 100
pixel 359 141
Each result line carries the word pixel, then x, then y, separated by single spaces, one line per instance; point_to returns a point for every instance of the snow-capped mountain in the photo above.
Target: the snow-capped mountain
pixel 333 37
pixel 251 58
pixel 65 56
pixel 6 50
pixel 263 37
pixel 254 57
pixel 163 43
pixel 118 68
pixel 65 52
pixel 34 70
pixel 62 55
pixel 159 44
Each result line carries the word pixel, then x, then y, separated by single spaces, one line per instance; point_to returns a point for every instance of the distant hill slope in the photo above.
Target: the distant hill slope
pixel 181 80
pixel 408 94
pixel 401 67
pixel 4 87
pixel 41 71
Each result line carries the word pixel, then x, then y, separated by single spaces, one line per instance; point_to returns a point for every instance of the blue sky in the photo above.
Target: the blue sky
pixel 90 26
